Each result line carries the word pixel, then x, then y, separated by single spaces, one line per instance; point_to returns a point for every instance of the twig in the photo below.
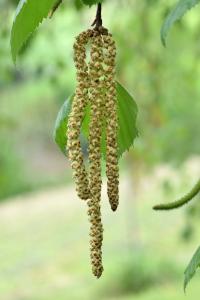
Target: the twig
pixel 184 200
pixel 98 20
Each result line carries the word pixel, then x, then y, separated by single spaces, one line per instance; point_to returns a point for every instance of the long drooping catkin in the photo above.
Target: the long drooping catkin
pixel 95 133
pixel 112 169
pixel 76 116
pixel 96 86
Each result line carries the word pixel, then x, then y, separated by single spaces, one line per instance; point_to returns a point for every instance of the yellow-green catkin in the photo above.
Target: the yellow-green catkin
pixel 95 133
pixel 76 116
pixel 95 85
pixel 112 169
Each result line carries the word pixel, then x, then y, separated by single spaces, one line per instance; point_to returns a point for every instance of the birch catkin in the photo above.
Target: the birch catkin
pixel 95 133
pixel 95 86
pixel 76 116
pixel 112 170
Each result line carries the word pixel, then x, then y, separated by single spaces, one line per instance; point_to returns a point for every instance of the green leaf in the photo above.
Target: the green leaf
pixel 127 114
pixel 60 128
pixel 91 2
pixel 29 15
pixel 177 12
pixel 192 267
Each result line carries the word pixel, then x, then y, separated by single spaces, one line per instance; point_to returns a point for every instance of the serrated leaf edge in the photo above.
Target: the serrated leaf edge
pixel 21 6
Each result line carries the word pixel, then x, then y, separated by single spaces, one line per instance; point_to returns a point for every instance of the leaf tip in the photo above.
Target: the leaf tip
pixel 163 38
pixel 185 285
pixel 14 57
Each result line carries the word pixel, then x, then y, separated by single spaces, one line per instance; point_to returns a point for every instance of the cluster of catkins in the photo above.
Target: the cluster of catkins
pixel 96 87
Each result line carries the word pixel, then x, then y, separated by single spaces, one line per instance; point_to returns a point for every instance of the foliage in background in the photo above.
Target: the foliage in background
pixel 176 14
pixel 192 267
pixel 138 274
pixel 11 174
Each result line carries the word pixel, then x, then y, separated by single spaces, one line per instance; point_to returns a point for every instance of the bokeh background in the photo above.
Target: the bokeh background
pixel 44 239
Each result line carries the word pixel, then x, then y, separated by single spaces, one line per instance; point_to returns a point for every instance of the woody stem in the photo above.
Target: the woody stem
pixel 98 20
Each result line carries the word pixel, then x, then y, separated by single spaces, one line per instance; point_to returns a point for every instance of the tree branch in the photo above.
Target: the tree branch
pixel 184 200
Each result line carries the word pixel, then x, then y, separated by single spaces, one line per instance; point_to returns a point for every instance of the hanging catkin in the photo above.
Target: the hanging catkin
pixel 95 86
pixel 95 133
pixel 112 170
pixel 76 116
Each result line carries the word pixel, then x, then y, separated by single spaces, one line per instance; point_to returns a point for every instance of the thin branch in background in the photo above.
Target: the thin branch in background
pixel 184 200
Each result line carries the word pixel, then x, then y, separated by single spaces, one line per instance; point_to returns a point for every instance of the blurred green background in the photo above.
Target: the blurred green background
pixel 43 225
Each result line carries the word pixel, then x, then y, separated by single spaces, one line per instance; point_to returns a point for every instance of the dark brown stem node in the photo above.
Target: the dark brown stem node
pixel 99 29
